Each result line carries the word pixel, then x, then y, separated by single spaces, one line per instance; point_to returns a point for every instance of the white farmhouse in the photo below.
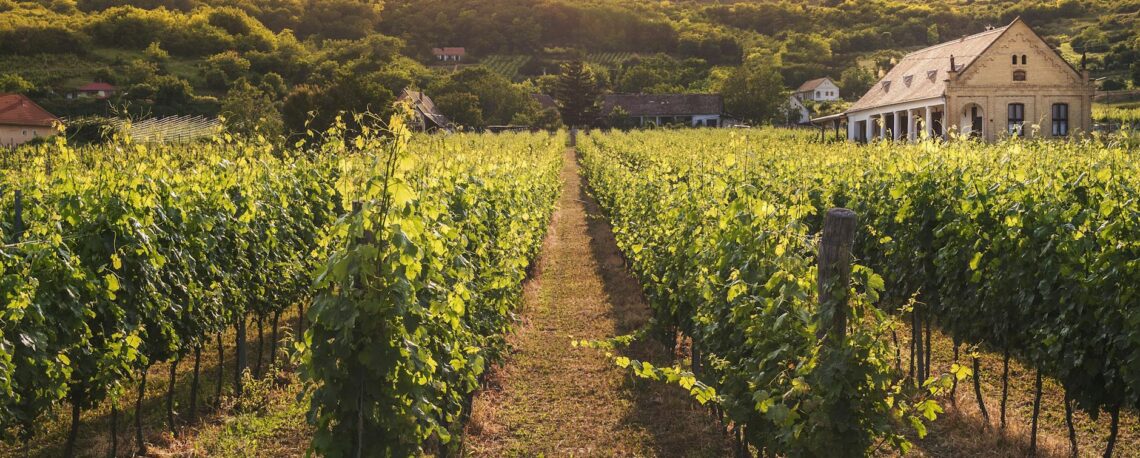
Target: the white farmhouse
pixel 819 90
pixel 1004 81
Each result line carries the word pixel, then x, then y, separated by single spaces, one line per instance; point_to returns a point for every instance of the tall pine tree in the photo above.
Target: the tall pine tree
pixel 576 92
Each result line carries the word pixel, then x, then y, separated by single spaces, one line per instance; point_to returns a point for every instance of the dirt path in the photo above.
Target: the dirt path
pixel 552 399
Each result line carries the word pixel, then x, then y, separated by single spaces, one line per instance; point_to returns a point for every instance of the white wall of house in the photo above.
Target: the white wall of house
pixel 826 91
pixel 799 113
pixel 706 120
pixel 17 135
pixel 904 118
pixel 697 120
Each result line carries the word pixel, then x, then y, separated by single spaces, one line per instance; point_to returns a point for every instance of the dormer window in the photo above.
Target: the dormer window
pixel 886 85
pixel 1019 75
pixel 932 74
pixel 907 80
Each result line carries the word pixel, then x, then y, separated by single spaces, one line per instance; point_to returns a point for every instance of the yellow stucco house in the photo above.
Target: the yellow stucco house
pixel 21 120
pixel 1004 81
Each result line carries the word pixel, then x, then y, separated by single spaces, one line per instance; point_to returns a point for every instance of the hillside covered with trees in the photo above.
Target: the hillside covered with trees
pixel 273 63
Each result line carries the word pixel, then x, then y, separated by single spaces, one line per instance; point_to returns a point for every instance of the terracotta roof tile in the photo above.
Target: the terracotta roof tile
pixel 17 110
pixel 811 85
pixel 96 87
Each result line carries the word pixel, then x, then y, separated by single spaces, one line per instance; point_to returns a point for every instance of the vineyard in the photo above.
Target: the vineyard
pixel 171 129
pixel 610 59
pixel 505 65
pixel 402 253
pixel 1025 249
pixel 383 275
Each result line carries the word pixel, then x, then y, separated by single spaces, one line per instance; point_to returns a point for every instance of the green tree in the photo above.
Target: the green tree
pixel 248 109
pixel 171 91
pixel 804 57
pixel 461 107
pixel 576 92
pixel 499 99
pixel 155 54
pixel 11 82
pixel 854 82
pixel 755 90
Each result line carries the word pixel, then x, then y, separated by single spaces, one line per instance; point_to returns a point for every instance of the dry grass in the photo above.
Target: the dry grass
pixel 94 436
pixel 551 399
pixel 960 432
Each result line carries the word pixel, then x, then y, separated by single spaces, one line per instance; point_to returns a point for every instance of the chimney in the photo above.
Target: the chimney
pixel 952 75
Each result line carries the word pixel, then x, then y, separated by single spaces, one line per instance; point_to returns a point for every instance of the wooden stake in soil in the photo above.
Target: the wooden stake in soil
pixel 954 379
pixel 1004 384
pixel 19 210
pixel 835 244
pixel 221 369
pixel 1073 449
pixel 138 413
pixel 273 341
pixel 170 397
pixel 1114 429
pixel 114 428
pixel 1036 413
pixel 69 450
pixel 916 337
pixel 260 346
pixel 978 392
pixel 241 357
pixel 193 414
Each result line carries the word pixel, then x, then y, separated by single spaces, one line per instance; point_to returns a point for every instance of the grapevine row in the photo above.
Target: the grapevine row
pixel 1031 249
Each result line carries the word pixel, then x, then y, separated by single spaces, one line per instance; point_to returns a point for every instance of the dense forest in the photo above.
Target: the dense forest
pixel 274 63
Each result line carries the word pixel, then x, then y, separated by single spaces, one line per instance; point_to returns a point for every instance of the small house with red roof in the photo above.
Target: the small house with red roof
pixel 21 120
pixel 449 54
pixel 95 90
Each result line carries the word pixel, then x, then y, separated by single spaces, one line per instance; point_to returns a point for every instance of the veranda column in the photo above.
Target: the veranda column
pixel 898 125
pixel 927 124
pixel 911 133
pixel 870 128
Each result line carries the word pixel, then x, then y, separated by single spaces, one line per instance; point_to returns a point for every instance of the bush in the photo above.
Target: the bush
pixel 34 39
pixel 89 130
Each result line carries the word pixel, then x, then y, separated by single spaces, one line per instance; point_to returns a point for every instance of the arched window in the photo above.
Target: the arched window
pixel 1016 119
pixel 1060 119
pixel 1019 75
pixel 1015 59
pixel 1023 59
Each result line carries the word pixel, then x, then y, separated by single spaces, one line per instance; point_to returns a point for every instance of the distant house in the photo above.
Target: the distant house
pixel 94 90
pixel 819 90
pixel 545 101
pixel 642 110
pixel 21 120
pixel 797 112
pixel 449 54
pixel 428 116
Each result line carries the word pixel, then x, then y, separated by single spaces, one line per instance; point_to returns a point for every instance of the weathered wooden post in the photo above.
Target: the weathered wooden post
pixel 369 237
pixel 19 223
pixel 574 136
pixel 835 244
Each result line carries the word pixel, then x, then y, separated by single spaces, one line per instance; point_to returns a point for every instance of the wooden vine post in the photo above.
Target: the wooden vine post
pixel 19 210
pixel 835 245
pixel 574 137
pixel 369 237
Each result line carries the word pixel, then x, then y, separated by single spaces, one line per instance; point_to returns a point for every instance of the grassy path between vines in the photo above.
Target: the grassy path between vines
pixel 549 398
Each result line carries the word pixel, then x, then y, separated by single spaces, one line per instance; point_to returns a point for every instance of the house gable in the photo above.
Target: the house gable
pixel 1042 67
